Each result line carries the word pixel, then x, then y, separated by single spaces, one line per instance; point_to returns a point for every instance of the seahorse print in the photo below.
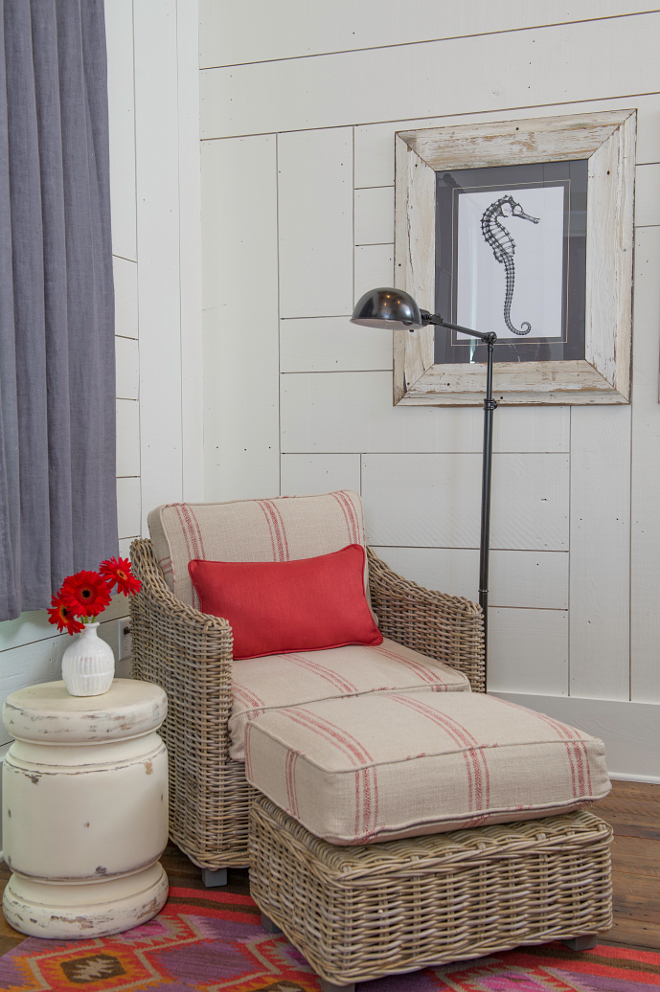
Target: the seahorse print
pixel 504 248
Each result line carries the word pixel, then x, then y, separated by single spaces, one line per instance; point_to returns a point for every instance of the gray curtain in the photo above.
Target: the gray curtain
pixel 58 510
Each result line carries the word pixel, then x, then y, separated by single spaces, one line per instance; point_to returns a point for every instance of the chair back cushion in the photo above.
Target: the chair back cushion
pixel 284 528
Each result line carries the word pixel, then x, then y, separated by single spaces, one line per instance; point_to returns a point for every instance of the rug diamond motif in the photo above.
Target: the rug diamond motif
pixel 213 942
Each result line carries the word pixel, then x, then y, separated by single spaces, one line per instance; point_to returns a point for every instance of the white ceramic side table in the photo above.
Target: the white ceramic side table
pixel 84 809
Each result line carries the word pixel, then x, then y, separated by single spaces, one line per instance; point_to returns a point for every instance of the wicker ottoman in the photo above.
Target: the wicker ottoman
pixel 359 913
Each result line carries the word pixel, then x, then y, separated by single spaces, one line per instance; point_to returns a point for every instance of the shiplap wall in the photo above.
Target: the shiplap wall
pixel 153 89
pixel 299 106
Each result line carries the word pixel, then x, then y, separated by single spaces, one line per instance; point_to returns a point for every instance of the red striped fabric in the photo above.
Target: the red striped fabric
pixel 385 765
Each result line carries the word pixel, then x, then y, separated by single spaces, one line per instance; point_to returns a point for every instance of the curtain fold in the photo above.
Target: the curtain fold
pixel 58 510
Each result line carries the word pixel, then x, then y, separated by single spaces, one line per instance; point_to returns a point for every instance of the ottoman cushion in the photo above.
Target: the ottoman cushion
pixel 385 766
pixel 262 684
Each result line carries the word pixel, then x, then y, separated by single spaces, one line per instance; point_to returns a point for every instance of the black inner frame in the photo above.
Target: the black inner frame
pixel 573 177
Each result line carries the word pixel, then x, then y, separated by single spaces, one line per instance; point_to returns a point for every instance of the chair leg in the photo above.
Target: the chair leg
pixel 584 943
pixel 213 879
pixel 331 987
pixel 268 924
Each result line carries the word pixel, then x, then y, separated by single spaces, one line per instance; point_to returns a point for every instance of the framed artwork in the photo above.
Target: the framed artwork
pixel 524 228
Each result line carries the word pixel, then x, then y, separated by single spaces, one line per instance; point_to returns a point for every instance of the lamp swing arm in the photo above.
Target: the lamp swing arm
pixel 394 308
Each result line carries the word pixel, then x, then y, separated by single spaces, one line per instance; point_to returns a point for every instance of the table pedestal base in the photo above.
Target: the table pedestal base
pixel 69 912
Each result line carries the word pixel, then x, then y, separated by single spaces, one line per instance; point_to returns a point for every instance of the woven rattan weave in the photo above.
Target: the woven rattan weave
pixel 358 913
pixel 189 654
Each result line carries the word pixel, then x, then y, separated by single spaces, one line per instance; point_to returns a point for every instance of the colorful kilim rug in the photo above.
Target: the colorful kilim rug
pixel 213 942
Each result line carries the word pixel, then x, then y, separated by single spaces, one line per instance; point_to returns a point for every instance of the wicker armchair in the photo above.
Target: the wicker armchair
pixel 189 654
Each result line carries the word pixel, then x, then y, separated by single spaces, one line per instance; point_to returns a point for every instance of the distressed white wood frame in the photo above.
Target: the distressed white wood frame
pixel 607 141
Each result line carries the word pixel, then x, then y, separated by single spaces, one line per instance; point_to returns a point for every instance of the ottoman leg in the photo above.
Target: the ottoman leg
pixel 331 987
pixel 268 924
pixel 213 879
pixel 584 943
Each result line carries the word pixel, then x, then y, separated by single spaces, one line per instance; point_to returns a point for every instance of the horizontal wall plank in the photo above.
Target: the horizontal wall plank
pixel 631 731
pixel 647 195
pixel 434 500
pixel 241 443
pixel 315 197
pixel 645 521
pixel 374 266
pixel 353 411
pixel 129 507
pixel 34 626
pixel 305 474
pixel 41 660
pixel 600 552
pixel 239 230
pixel 159 261
pixel 524 579
pixel 239 189
pixel 528 651
pixel 190 247
pixel 121 122
pixel 374 143
pixel 31 664
pixel 240 331
pixel 128 368
pixel 374 216
pixel 371 86
pixel 126 297
pixel 128 438
pixel 332 344
pixel 252 31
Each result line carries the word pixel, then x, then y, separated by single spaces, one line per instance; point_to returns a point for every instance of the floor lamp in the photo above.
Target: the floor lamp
pixel 393 309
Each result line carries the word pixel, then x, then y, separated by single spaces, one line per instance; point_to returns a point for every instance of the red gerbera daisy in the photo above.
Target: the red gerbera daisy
pixel 60 614
pixel 118 570
pixel 86 594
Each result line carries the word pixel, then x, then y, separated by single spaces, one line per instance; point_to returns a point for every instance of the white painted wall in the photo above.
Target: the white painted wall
pixel 299 105
pixel 153 90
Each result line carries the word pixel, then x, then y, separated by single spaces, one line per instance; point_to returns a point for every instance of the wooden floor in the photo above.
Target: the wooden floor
pixel 632 808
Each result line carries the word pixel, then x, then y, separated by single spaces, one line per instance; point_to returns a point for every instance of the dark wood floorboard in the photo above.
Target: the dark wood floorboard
pixel 633 809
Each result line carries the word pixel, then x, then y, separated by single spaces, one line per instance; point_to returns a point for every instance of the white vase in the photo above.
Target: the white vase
pixel 88 665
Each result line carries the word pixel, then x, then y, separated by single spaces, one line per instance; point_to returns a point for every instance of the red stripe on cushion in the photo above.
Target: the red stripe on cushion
pixel 413 666
pixel 475 759
pixel 574 756
pixel 567 734
pixel 277 529
pixel 342 740
pixel 271 530
pixel 325 673
pixel 248 697
pixel 366 805
pixel 352 523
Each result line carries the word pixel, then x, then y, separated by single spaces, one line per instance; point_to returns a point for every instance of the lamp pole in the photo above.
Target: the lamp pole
pixel 394 309
pixel 489 338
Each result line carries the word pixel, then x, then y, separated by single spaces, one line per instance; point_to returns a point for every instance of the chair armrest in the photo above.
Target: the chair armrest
pixel 447 628
pixel 189 654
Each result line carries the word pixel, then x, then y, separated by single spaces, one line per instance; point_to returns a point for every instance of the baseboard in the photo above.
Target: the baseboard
pixel 631 731
pixel 651 779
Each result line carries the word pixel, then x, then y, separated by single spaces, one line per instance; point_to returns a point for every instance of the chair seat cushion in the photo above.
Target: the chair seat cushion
pixel 385 766
pixel 263 684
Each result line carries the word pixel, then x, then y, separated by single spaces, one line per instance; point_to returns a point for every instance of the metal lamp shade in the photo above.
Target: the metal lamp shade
pixel 391 309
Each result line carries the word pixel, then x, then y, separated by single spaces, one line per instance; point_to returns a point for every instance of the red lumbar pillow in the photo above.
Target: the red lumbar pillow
pixel 275 607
